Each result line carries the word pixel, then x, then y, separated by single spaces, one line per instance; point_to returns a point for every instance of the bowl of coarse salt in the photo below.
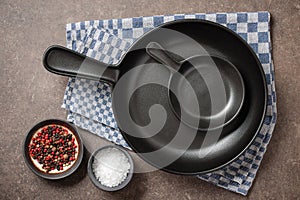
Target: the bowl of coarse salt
pixel 110 168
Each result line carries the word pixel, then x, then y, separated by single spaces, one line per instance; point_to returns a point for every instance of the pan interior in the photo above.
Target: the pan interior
pixel 218 89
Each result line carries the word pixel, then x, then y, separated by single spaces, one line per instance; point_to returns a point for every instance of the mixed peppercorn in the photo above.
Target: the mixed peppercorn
pixel 53 147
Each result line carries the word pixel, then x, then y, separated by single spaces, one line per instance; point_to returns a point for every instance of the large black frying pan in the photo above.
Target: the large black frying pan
pixel 154 121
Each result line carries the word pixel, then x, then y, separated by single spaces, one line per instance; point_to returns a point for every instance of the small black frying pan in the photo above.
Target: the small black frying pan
pixel 155 91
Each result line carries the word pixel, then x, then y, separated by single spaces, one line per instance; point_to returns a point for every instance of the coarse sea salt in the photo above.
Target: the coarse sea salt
pixel 111 167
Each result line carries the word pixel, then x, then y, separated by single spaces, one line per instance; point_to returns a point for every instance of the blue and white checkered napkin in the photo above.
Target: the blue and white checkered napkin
pixel 89 102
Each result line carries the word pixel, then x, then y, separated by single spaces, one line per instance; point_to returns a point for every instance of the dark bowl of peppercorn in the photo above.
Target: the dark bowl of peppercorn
pixel 53 149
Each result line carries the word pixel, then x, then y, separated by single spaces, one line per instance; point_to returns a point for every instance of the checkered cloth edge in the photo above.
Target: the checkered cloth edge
pixel 89 102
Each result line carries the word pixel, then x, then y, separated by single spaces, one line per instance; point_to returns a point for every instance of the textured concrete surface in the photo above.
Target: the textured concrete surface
pixel 30 94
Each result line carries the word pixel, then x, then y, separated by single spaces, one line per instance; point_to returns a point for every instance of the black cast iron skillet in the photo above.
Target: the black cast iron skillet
pixel 150 124
pixel 194 69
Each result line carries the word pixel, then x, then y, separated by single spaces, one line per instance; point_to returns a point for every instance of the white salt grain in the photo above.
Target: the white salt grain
pixel 111 167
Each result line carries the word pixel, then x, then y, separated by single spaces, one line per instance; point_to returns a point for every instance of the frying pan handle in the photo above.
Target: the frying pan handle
pixel 157 52
pixel 60 60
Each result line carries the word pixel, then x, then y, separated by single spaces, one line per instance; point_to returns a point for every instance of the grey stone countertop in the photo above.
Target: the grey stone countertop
pixel 30 94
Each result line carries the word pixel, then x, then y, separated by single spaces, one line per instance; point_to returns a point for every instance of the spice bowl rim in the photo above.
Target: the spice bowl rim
pixel 93 177
pixel 29 162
